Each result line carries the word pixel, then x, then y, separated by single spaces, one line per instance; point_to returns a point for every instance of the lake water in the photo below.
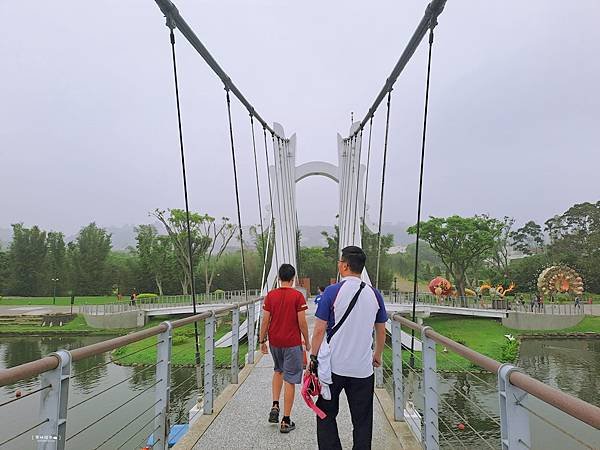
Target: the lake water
pixel 89 377
pixel 572 365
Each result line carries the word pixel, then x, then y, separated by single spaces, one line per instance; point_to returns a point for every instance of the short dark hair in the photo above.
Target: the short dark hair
pixel 354 257
pixel 287 272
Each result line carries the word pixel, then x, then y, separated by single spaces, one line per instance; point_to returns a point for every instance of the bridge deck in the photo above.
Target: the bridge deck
pixel 242 424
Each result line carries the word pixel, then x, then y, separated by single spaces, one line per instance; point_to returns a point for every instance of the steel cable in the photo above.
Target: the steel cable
pixel 385 147
pixel 185 191
pixel 148 437
pixel 364 218
pixel 418 230
pixel 113 410
pixel 112 360
pixel 22 396
pixel 237 194
pixel 23 432
pixel 138 432
pixel 466 422
pixel 270 197
pixel 128 423
pixel 135 374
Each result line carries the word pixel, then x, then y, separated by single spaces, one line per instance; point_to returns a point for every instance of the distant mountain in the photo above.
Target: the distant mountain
pixel 124 236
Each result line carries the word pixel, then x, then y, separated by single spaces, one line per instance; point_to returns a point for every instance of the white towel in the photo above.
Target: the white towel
pixel 324 369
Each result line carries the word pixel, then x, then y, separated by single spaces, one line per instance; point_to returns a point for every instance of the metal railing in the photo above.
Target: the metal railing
pixel 169 301
pixel 472 302
pixel 423 397
pixel 167 383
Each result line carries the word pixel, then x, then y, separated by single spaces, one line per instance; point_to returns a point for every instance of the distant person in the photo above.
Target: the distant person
pixel 533 301
pixel 345 318
pixel 132 298
pixel 577 302
pixel 319 295
pixel 283 323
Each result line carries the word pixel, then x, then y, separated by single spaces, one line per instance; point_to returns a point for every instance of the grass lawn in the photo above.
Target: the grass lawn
pixel 63 301
pixel 184 348
pixel 485 336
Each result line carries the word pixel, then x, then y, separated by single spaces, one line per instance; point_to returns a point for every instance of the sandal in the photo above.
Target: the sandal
pixel 287 427
pixel 274 415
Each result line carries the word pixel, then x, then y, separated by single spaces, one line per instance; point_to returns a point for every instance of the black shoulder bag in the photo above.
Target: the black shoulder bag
pixel 345 316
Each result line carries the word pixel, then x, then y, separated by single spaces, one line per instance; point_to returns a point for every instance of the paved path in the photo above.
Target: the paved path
pixel 242 424
pixel 33 310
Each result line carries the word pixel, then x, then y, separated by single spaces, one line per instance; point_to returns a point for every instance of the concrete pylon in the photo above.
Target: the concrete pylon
pixel 349 174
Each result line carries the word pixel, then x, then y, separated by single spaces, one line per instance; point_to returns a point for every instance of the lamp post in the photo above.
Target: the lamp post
pixel 395 291
pixel 54 280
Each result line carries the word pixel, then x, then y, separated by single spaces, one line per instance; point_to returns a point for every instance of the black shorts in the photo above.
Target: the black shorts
pixel 288 360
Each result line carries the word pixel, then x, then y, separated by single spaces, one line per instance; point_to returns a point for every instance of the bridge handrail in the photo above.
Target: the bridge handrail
pixel 51 362
pixel 581 410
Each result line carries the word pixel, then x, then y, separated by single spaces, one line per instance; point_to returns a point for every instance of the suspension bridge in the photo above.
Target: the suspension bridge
pixel 224 404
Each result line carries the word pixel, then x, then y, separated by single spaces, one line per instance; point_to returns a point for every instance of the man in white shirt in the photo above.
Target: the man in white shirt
pixel 352 355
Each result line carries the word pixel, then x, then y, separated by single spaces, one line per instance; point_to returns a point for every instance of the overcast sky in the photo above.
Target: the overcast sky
pixel 88 129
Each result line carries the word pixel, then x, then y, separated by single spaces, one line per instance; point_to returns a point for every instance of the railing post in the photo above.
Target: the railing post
pixel 514 421
pixel 162 390
pixel 251 308
pixel 430 393
pixel 209 362
pixel 397 371
pixel 53 404
pixel 235 344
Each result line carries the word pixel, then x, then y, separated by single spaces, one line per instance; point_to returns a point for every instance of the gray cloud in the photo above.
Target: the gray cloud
pixel 88 128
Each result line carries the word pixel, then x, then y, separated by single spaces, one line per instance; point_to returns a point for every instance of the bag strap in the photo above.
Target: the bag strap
pixel 345 316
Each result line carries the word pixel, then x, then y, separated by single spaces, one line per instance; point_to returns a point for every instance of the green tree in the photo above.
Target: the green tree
pixel 155 253
pixel 27 261
pixel 317 266
pixel 88 256
pixel 176 227
pixel 56 260
pixel 460 242
pixel 4 271
pixel 575 241
pixel 219 235
pixel 528 239
pixel 501 251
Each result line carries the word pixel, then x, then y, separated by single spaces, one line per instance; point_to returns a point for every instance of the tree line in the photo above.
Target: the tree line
pixel 466 250
pixel 472 250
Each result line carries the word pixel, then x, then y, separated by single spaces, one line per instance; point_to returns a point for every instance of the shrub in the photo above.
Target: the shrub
pixel 146 295
pixel 510 349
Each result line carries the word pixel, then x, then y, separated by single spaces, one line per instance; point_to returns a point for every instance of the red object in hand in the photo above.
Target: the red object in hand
pixel 461 426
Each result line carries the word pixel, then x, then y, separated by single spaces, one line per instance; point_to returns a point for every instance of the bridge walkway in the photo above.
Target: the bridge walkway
pixel 241 422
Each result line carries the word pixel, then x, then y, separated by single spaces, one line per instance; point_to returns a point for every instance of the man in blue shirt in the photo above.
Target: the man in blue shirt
pixel 319 295
pixel 351 349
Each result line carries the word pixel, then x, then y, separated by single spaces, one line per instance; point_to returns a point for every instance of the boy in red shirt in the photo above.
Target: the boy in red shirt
pixel 284 320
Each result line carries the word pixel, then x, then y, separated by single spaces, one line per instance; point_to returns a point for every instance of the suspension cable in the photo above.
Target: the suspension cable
pixel 354 218
pixel 385 145
pixel 237 193
pixel 272 230
pixel 414 302
pixel 364 217
pixel 262 230
pixel 278 192
pixel 171 25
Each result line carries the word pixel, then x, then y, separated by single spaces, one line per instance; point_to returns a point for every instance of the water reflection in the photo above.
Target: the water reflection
pixel 471 399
